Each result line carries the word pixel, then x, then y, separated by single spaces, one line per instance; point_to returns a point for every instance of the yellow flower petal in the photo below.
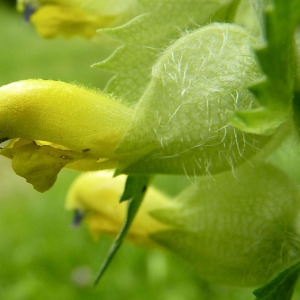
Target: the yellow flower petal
pixel 39 164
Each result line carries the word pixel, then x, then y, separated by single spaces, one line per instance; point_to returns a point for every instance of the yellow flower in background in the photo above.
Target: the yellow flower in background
pixel 95 196
pixel 53 20
pixel 72 18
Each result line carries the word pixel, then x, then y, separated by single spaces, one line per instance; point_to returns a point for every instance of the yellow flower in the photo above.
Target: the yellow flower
pixel 52 20
pixel 56 124
pixel 70 18
pixel 95 197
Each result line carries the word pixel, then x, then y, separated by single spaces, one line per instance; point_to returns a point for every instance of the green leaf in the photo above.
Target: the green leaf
pixel 134 191
pixel 277 60
pixel 280 288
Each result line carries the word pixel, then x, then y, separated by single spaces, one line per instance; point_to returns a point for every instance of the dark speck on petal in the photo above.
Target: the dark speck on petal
pixel 29 10
pixel 78 216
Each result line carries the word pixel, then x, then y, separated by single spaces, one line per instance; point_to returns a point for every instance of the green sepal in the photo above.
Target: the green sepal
pixel 280 288
pixel 181 123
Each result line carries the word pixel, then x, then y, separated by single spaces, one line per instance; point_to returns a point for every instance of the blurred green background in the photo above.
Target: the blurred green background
pixel 41 255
